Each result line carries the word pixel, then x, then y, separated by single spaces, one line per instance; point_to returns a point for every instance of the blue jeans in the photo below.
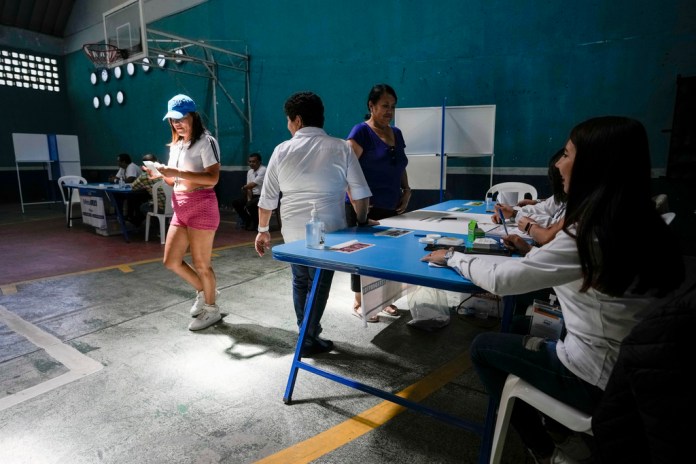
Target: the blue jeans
pixel 495 355
pixel 302 278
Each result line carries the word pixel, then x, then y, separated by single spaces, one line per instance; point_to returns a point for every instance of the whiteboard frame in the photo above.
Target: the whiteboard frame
pixel 438 132
pixel 35 148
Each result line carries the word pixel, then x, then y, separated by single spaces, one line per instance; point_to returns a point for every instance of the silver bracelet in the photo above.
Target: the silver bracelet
pixel 263 229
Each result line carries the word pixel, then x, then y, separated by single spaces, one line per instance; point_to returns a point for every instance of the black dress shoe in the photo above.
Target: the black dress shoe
pixel 328 344
pixel 316 346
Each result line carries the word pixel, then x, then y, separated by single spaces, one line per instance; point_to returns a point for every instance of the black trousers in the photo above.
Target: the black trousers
pixel 248 211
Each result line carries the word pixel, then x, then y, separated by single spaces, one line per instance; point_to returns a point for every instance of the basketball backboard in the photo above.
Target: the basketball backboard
pixel 124 27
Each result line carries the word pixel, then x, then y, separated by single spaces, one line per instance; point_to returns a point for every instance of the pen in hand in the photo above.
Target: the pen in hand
pixel 502 219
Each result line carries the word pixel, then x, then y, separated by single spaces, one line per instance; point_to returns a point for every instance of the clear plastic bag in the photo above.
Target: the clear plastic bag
pixel 428 306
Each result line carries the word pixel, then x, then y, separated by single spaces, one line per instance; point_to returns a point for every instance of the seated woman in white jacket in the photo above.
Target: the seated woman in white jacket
pixel 541 220
pixel 606 276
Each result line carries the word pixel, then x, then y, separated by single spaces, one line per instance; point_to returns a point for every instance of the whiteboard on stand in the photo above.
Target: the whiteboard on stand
pixel 31 148
pixel 469 131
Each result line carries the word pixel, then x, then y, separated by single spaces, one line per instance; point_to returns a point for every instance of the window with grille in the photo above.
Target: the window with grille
pixel 28 71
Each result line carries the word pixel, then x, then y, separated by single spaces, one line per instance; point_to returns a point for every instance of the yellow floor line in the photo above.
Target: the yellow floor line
pixel 8 289
pixel 335 437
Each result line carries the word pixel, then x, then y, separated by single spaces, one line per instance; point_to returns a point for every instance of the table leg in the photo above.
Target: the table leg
pixel 119 216
pixel 69 215
pixel 309 307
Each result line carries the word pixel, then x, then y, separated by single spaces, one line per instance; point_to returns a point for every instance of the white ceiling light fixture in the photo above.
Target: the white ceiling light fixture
pixel 179 51
pixel 146 64
pixel 95 102
pixel 161 61
pixel 120 98
pixel 117 72
pixel 130 69
pixel 107 100
pixel 93 78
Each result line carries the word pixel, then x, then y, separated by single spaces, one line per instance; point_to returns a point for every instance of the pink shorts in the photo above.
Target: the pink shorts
pixel 197 210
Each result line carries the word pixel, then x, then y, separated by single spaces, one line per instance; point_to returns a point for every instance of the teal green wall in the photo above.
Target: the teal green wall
pixel 546 65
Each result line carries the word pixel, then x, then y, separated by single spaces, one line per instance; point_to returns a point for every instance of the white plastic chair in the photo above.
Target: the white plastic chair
pixel 517 388
pixel 75 200
pixel 162 217
pixel 510 193
pixel 668 217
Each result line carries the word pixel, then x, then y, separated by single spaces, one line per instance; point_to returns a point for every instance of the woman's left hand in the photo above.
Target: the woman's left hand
pixel 437 257
pixel 403 202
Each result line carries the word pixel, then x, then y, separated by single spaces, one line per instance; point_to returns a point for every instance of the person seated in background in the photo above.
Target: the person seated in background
pixel 140 202
pixel 127 169
pixel 605 284
pixel 540 219
pixel 246 206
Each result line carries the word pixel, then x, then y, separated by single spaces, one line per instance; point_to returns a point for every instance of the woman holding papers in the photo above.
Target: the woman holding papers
pixel 193 169
pixel 379 147
pixel 598 269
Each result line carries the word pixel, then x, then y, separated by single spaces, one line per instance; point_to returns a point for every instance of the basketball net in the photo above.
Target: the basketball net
pixel 103 54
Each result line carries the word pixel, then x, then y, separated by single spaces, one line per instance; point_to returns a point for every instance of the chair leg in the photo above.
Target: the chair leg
pixel 503 419
pixel 147 228
pixel 163 226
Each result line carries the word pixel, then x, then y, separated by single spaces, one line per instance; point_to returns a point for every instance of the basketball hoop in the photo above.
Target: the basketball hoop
pixel 103 54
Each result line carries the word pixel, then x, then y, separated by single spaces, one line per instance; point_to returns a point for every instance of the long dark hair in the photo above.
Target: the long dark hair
pixel 197 129
pixel 609 193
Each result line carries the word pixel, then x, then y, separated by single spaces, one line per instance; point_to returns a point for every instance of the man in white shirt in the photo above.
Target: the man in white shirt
pixel 246 206
pixel 311 166
pixel 127 169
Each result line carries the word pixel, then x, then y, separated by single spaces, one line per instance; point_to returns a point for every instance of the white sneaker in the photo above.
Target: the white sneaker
pixel 197 307
pixel 210 314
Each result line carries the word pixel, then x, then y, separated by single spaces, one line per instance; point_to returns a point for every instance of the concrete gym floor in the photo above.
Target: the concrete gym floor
pixel 99 367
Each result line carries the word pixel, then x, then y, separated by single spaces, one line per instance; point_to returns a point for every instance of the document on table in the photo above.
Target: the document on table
pixel 393 232
pixel 351 246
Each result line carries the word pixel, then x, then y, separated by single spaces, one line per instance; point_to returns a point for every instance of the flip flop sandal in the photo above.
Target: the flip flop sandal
pixel 358 313
pixel 390 311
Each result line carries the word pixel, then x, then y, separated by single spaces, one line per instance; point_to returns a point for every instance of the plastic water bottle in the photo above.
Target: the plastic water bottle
pixel 121 182
pixel 490 204
pixel 314 230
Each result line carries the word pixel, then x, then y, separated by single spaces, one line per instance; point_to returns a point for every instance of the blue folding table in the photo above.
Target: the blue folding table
pixel 391 258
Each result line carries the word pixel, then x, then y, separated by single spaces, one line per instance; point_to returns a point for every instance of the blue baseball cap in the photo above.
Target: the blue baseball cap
pixel 179 106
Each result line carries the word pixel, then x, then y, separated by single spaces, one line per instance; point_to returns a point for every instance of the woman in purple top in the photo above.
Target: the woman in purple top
pixel 380 149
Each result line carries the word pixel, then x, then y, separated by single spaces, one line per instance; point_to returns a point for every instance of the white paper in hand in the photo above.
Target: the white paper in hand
pixel 153 168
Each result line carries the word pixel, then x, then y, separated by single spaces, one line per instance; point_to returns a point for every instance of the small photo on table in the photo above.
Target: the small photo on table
pixel 459 209
pixel 351 246
pixel 393 232
pixel 474 203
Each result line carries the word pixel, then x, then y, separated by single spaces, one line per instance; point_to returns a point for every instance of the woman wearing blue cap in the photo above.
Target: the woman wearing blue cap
pixel 193 170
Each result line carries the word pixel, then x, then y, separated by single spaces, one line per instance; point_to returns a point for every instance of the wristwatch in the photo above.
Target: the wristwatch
pixel 449 254
pixel 263 229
